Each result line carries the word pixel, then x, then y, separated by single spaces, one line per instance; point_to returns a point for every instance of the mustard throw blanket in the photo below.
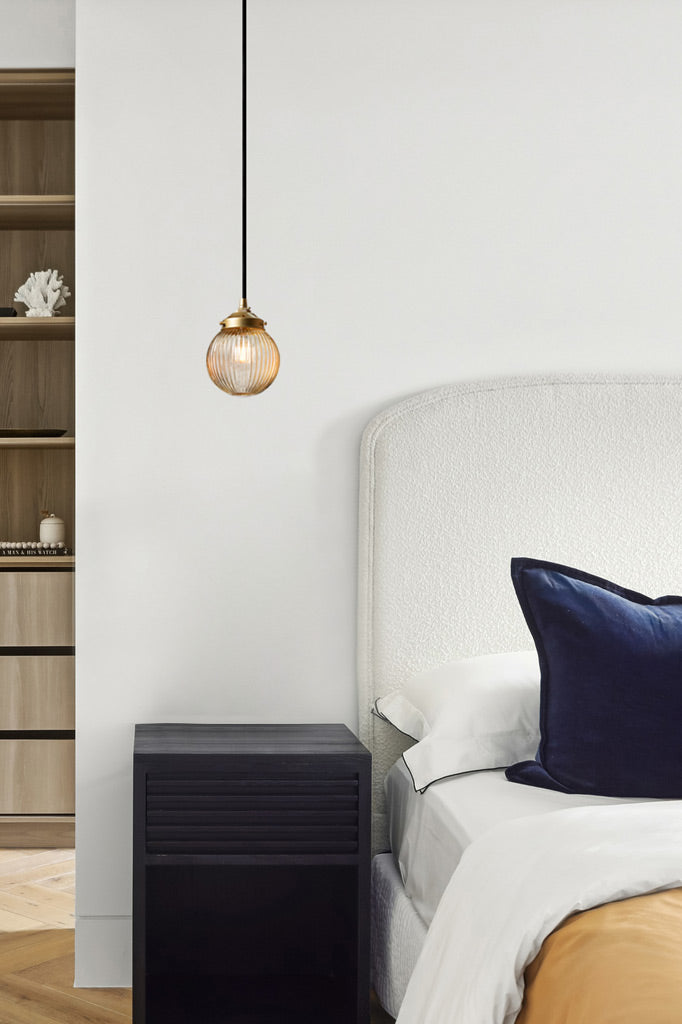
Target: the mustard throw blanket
pixel 617 964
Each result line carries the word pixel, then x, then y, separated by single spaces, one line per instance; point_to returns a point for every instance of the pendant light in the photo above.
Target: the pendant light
pixel 243 359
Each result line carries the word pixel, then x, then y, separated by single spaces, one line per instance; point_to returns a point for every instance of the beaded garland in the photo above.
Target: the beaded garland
pixel 31 547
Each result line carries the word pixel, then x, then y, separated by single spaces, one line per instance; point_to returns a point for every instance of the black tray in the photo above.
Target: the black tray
pixel 32 432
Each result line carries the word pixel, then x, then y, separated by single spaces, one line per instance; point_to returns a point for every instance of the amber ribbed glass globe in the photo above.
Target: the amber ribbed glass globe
pixel 242 360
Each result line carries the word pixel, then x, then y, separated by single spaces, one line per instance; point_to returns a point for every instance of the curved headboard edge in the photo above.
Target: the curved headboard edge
pixel 380 738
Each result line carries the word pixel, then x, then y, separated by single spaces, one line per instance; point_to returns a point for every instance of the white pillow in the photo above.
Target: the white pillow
pixel 470 715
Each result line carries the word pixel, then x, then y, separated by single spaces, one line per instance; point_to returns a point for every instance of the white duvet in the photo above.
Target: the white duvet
pixel 515 884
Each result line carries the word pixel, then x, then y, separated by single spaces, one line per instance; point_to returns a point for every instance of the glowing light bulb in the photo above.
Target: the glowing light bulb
pixel 242 359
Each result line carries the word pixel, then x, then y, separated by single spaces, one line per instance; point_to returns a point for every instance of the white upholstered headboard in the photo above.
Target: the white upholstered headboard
pixel 456 481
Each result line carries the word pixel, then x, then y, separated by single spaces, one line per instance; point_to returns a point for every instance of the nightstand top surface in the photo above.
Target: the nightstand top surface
pixel 276 740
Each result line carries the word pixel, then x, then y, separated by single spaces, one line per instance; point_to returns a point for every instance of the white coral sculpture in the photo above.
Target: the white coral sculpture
pixel 44 293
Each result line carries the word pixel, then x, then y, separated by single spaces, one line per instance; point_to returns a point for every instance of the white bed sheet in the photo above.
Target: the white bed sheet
pixel 430 831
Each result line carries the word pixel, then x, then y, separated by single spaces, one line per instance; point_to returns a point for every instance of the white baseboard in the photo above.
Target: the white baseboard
pixel 103 952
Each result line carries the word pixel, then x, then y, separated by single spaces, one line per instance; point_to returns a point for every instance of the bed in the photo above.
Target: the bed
pixel 454 482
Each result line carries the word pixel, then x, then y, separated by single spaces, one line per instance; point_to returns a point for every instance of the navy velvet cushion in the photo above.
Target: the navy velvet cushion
pixel 611 684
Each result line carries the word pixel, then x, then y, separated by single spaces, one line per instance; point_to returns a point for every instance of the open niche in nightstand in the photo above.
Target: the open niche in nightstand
pixel 251 875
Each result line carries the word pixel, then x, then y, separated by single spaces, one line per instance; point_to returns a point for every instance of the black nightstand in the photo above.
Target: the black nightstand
pixel 251 851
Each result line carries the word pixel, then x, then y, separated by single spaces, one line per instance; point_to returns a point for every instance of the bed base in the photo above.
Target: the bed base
pixel 398 934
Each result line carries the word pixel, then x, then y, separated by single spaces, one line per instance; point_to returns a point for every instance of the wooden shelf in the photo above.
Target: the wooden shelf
pixel 37 442
pixel 32 94
pixel 42 213
pixel 22 561
pixel 37 328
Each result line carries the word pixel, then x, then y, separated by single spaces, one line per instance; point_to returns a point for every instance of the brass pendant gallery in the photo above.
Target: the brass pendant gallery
pixel 243 359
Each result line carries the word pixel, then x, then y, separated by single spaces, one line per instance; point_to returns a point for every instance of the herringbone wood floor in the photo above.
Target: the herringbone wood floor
pixel 36 947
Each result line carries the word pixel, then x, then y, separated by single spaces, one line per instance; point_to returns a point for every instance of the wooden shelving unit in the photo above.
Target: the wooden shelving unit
pixel 37 216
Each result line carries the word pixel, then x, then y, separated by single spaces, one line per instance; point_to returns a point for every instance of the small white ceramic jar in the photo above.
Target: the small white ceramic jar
pixel 52 529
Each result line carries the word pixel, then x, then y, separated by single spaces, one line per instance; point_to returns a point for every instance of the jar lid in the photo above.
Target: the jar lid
pixel 50 517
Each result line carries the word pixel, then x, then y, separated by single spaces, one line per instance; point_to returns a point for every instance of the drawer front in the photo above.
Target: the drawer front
pixel 37 691
pixel 36 776
pixel 251 815
pixel 36 609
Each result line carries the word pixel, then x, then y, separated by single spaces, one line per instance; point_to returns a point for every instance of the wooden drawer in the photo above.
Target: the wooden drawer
pixel 37 691
pixel 36 609
pixel 37 776
pixel 243 814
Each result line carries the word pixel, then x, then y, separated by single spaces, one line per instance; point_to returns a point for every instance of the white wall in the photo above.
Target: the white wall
pixel 440 190
pixel 37 33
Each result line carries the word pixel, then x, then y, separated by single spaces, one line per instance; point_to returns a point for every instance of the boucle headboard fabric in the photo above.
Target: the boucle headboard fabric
pixel 585 471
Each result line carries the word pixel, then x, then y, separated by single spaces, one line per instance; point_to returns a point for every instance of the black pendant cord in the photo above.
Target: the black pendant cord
pixel 244 149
